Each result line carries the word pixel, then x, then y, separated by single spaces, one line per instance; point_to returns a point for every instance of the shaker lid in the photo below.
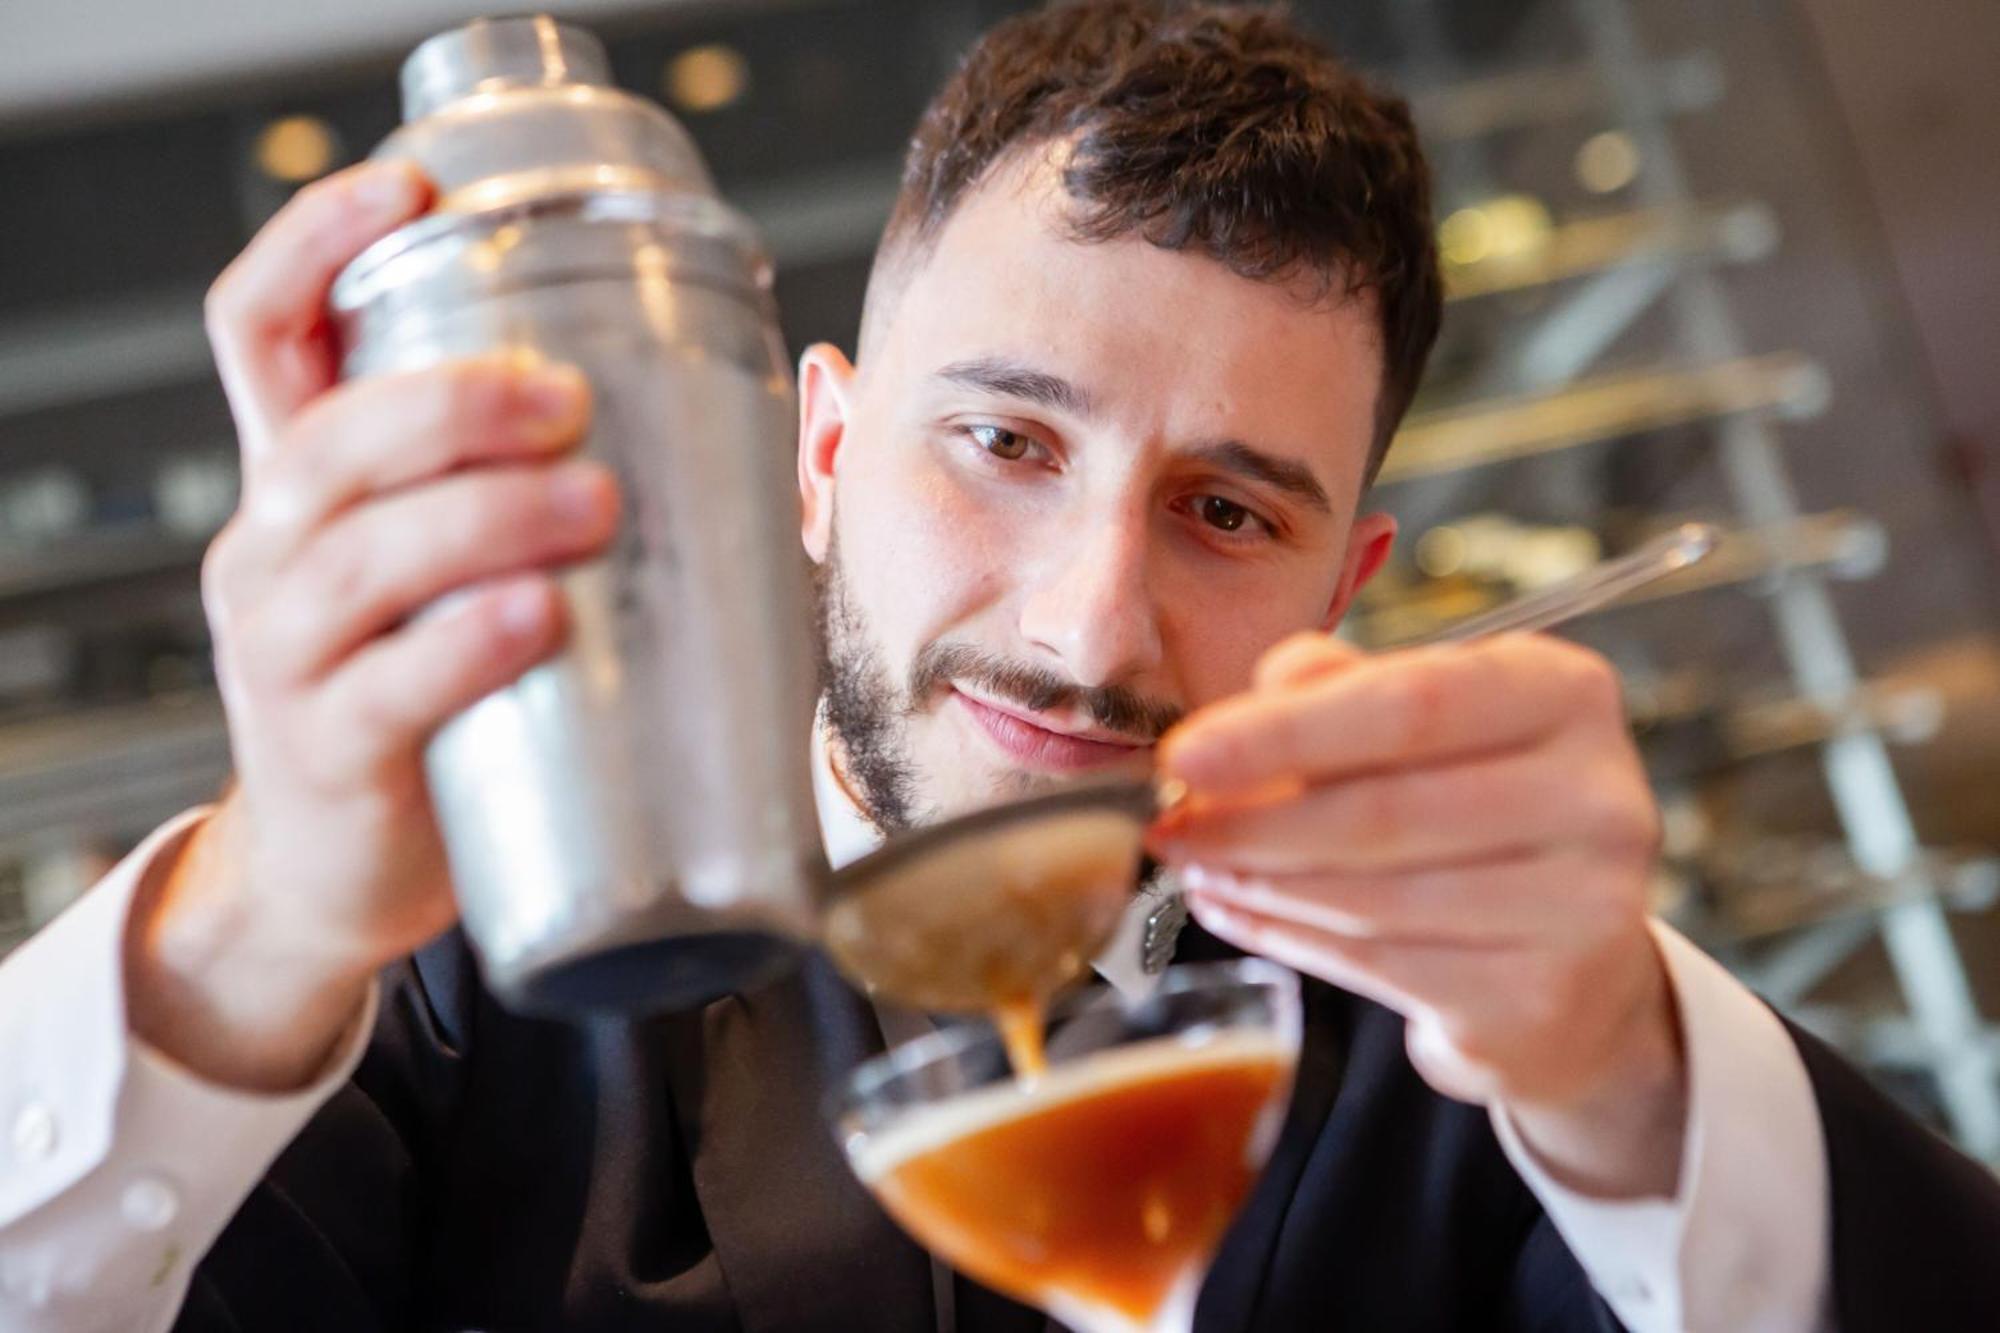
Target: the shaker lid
pixel 536 153
pixel 510 109
pixel 487 55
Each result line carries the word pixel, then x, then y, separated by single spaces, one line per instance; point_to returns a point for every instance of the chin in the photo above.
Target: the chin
pixel 962 780
pixel 1000 785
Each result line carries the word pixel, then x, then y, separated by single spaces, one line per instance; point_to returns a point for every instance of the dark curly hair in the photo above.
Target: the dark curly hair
pixel 1219 128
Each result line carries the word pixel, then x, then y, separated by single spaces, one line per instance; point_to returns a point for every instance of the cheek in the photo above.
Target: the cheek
pixel 1218 626
pixel 918 558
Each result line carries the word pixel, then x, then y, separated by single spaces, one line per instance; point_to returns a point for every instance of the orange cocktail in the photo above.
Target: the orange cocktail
pixel 1100 1189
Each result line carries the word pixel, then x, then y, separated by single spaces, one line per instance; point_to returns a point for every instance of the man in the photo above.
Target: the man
pixel 1156 291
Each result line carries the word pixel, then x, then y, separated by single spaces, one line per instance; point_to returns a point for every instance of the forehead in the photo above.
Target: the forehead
pixel 1168 342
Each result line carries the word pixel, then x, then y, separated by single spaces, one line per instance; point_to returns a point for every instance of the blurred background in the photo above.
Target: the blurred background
pixel 1719 259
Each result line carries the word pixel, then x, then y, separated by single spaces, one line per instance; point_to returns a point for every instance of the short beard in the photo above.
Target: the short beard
pixel 870 716
pixel 862 708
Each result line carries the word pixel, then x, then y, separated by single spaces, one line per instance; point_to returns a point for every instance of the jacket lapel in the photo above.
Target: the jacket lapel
pixel 802 1245
pixel 1236 1280
pixel 1229 1301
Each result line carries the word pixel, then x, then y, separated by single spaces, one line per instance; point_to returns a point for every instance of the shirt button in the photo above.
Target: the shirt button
pixel 150 1204
pixel 31 1287
pixel 1635 1289
pixel 35 1132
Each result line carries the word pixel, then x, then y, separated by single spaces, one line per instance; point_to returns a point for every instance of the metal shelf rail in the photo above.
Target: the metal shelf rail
pixel 1668 239
pixel 1601 409
pixel 1524 99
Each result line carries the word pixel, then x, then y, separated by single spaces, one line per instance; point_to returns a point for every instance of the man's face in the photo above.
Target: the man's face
pixel 1072 491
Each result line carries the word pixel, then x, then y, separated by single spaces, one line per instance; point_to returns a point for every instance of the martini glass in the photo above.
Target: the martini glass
pixel 1098 1190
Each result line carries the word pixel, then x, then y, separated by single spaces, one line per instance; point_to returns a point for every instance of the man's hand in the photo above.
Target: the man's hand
pixel 1464 834
pixel 363 504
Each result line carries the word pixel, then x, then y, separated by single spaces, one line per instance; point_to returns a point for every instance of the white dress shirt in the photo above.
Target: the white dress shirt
pixel 118 1169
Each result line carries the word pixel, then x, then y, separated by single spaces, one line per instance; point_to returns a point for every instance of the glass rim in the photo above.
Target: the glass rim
pixel 872 1075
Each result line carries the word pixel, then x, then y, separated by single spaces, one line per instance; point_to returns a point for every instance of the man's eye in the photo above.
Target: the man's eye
pixel 1225 515
pixel 1002 443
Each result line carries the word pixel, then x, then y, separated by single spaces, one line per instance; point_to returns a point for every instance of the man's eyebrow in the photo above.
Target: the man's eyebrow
pixel 1012 379
pixel 1295 479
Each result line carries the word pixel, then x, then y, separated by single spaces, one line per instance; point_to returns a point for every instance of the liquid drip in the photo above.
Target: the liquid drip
pixel 1020 1025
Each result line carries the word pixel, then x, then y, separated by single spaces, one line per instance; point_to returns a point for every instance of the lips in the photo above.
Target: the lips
pixel 1034 746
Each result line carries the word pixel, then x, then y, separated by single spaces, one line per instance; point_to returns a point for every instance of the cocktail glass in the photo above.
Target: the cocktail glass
pixel 1099 1190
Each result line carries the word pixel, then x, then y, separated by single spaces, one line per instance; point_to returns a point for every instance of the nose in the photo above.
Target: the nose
pixel 1091 605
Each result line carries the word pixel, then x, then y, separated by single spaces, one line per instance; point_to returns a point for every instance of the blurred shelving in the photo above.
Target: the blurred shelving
pixel 1598 410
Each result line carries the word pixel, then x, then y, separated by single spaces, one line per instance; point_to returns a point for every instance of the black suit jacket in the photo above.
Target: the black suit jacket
pixel 674 1174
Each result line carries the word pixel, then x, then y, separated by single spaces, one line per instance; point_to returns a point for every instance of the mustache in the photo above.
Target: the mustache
pixel 1113 707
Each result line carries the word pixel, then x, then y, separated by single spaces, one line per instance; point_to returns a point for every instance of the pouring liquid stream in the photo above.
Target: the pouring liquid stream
pixel 1020 1023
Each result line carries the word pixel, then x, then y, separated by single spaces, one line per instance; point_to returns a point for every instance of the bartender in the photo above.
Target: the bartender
pixel 1157 289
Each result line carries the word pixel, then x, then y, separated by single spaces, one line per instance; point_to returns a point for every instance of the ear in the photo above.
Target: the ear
pixel 1368 543
pixel 826 394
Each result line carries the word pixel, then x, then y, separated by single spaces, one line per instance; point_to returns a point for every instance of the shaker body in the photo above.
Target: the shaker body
pixel 630 824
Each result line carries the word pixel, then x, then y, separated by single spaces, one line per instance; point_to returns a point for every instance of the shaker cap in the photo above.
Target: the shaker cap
pixel 504 111
pixel 488 55
pixel 538 156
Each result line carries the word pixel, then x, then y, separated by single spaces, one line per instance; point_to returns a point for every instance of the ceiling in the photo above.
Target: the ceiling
pixel 63 57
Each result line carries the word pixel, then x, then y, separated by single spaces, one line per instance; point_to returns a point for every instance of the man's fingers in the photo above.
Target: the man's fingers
pixel 1412 979
pixel 1481 903
pixel 383 432
pixel 266 314
pixel 1459 986
pixel 1480 809
pixel 1481 1019
pixel 1394 710
pixel 1303 657
pixel 387 699
pixel 386 561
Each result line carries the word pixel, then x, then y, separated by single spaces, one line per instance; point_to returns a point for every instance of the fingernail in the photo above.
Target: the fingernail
pixel 1215 918
pixel 1213 881
pixel 523 610
pixel 578 492
pixel 388 186
pixel 555 394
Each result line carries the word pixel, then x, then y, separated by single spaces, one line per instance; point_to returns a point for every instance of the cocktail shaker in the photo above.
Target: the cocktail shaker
pixel 630 824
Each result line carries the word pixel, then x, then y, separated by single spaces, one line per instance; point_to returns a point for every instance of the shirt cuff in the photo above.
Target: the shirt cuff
pixel 121 1166
pixel 1743 1244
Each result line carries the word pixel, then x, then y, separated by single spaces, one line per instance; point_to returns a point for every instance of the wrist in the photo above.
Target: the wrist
pixel 212 986
pixel 1620 1134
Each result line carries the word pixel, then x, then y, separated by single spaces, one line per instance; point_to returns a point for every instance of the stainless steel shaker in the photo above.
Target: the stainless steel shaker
pixel 632 823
